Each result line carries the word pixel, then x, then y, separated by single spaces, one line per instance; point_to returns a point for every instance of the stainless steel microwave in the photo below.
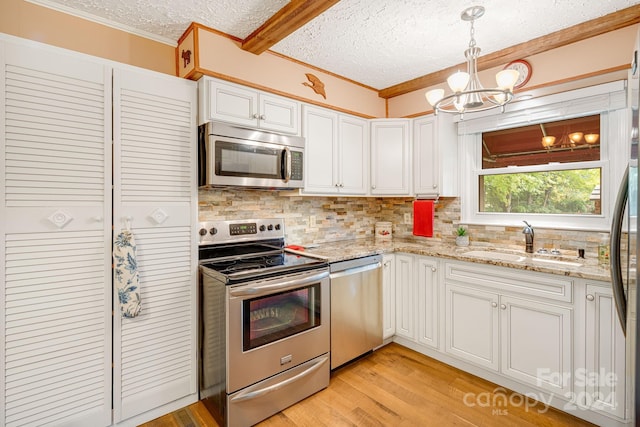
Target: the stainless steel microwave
pixel 231 156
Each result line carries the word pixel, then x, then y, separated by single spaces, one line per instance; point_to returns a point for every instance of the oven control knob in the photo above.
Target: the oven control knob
pixel 277 226
pixel 262 228
pixel 213 231
pixel 203 231
pixel 270 227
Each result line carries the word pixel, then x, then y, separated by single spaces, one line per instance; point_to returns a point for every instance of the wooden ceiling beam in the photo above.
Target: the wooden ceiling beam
pixel 287 20
pixel 595 27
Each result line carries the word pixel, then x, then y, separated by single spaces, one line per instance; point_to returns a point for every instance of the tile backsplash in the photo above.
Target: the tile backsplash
pixel 346 218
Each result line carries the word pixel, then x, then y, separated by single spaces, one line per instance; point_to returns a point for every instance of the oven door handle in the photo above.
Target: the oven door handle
pixel 254 394
pixel 279 286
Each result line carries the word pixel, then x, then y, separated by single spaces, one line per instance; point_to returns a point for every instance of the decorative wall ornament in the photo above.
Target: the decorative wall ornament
pixel 186 57
pixel 315 84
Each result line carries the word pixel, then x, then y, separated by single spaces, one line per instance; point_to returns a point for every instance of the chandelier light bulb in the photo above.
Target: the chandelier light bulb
pixel 458 81
pixel 434 96
pixel 506 79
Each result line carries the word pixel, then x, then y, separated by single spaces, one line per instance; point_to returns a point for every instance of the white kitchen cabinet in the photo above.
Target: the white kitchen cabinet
pixel 536 343
pixel 247 107
pixel 471 325
pixel 61 365
pixel 435 156
pixel 56 238
pixel 604 382
pixel 388 296
pixel 513 322
pixel 427 284
pixel 155 193
pixel 405 297
pixel 390 157
pixel 336 152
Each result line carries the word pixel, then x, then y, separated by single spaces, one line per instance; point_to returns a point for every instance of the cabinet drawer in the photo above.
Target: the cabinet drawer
pixel 503 279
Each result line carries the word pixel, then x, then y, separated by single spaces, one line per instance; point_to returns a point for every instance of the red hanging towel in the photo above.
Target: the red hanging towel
pixel 423 218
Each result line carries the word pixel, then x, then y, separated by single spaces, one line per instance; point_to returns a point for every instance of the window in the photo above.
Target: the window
pixel 548 188
pixel 510 174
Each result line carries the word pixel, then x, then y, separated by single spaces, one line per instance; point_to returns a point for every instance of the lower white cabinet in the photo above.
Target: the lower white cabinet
pixel 417 304
pixel 427 284
pixel 388 296
pixel 553 337
pixel 604 379
pixel 536 343
pixel 405 297
pixel 471 325
pixel 493 323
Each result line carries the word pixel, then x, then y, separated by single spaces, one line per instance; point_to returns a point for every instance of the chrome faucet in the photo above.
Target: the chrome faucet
pixel 528 235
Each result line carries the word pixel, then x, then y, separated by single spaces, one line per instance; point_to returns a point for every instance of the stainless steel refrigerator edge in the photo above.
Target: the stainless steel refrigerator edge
pixel 625 247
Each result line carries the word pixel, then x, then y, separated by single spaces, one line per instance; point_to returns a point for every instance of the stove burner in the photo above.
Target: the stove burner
pixel 253 263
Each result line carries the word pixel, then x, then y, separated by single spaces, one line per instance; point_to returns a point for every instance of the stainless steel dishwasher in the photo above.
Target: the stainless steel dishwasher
pixel 356 308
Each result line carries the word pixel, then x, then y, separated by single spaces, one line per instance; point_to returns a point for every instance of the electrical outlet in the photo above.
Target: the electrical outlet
pixel 312 221
pixel 407 218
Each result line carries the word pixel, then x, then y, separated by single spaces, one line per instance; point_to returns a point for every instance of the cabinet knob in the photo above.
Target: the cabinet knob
pixel 255 116
pixel 435 185
pixel 373 187
pixel 387 264
pixel 433 269
pixel 590 297
pixel 503 306
pixel 262 117
pixel 494 304
pixel 98 218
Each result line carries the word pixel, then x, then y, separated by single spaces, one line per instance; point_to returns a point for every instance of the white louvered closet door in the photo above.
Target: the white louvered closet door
pixel 155 190
pixel 56 299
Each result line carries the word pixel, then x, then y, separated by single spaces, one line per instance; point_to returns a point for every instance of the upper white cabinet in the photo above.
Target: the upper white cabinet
pixel 390 157
pixel 435 156
pixel 246 107
pixel 336 152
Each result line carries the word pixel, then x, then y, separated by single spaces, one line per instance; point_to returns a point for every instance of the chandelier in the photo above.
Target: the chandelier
pixel 468 94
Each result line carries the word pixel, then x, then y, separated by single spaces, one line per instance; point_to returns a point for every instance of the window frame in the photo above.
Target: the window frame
pixel 609 100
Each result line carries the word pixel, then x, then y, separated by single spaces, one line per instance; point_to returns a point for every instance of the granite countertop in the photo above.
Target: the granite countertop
pixel 350 249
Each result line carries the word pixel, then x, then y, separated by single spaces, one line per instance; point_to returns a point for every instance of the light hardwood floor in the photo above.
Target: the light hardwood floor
pixel 396 386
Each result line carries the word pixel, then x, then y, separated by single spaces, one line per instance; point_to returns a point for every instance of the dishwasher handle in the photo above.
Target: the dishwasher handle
pixel 355 270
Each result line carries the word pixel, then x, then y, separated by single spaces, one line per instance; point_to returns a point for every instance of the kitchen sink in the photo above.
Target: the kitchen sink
pixel 498 256
pixel 516 258
pixel 556 262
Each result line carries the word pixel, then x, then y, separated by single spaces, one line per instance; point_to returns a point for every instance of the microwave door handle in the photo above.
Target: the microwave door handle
pixel 287 164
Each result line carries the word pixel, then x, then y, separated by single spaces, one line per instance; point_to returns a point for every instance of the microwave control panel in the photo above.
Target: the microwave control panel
pixel 296 165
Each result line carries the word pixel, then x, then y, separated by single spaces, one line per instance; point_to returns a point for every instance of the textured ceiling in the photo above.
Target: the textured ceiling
pixel 378 43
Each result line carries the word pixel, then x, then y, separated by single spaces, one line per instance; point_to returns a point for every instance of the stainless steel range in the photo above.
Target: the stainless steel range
pixel 264 311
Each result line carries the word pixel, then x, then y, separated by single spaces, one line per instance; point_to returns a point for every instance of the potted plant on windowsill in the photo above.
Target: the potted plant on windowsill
pixel 462 238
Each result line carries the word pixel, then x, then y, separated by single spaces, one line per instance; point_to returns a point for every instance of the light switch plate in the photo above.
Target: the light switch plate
pixel 407 218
